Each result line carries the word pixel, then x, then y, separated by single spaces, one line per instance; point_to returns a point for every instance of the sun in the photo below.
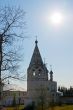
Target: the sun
pixel 56 18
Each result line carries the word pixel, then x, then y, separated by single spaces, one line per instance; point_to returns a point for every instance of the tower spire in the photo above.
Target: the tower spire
pixel 51 73
pixel 36 59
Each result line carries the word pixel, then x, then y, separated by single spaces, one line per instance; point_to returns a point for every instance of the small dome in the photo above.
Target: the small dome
pixel 51 72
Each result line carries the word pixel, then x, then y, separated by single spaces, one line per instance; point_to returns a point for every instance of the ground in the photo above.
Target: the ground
pixel 15 108
pixel 63 107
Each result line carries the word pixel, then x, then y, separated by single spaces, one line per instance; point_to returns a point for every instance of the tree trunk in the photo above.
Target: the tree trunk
pixel 1 86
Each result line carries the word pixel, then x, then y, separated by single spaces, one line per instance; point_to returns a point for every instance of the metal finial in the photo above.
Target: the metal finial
pixel 51 67
pixel 36 37
pixel 36 41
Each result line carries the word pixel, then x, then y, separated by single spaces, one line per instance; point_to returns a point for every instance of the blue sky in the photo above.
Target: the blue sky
pixel 55 44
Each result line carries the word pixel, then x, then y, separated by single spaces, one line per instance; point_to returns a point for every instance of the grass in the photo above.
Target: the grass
pixel 15 108
pixel 63 107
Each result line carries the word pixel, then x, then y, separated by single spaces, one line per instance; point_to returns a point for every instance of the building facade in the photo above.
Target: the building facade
pixel 13 97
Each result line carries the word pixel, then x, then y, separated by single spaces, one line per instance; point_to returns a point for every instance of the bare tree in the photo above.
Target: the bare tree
pixel 11 26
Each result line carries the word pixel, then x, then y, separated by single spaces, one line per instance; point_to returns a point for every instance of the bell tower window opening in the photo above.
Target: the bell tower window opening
pixel 34 73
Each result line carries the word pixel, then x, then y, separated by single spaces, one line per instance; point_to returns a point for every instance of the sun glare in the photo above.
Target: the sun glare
pixel 56 18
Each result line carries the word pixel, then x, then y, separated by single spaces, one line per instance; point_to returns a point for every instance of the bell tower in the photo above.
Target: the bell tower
pixel 37 71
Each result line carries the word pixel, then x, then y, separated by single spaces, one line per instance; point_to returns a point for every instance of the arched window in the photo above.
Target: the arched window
pixel 34 73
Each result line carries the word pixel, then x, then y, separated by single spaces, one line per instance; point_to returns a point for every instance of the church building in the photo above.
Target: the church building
pixel 40 87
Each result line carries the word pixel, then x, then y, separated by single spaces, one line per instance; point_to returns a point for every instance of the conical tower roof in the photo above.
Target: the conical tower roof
pixel 36 59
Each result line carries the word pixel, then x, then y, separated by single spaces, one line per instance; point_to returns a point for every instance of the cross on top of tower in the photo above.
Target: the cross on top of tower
pixel 51 67
pixel 36 41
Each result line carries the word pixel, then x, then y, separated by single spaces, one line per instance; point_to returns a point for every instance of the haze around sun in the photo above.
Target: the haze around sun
pixel 56 18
